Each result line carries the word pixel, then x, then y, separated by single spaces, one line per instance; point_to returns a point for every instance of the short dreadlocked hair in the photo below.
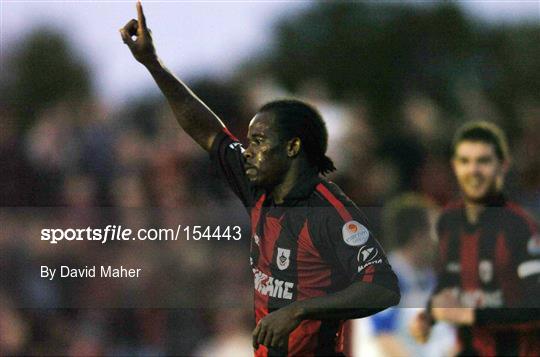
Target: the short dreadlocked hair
pixel 295 118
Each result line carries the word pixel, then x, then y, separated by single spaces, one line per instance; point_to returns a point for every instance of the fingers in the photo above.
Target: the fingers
pixel 255 336
pixel 268 339
pixel 277 341
pixel 140 16
pixel 126 37
pixel 131 27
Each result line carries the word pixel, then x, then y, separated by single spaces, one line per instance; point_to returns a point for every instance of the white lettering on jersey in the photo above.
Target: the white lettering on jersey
pixel 479 298
pixel 267 285
pixel 485 270
pixel 453 267
pixel 363 266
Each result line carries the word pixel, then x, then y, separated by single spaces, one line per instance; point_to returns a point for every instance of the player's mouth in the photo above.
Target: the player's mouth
pixel 250 170
pixel 475 183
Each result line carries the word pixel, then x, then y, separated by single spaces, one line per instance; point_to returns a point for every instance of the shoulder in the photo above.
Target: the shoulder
pixel 333 211
pixel 518 214
pixel 451 214
pixel 328 194
pixel 519 224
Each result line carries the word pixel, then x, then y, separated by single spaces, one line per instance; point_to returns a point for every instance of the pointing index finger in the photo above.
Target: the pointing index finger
pixel 140 15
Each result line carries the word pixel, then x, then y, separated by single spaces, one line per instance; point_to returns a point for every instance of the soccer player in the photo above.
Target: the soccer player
pixel 314 262
pixel 489 273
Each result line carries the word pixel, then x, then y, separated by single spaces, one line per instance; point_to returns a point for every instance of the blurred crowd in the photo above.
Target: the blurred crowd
pixel 82 164
pixel 78 163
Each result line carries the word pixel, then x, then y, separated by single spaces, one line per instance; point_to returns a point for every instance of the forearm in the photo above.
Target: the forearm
pixel 357 301
pixel 191 113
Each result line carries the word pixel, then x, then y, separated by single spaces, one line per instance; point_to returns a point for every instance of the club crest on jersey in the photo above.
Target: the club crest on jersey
pixel 533 246
pixel 485 270
pixel 354 234
pixel 283 258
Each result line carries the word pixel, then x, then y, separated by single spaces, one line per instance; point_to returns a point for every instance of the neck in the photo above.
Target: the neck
pixel 298 170
pixel 473 210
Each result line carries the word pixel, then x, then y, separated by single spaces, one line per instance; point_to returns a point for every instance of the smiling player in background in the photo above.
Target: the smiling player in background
pixel 314 262
pixel 489 263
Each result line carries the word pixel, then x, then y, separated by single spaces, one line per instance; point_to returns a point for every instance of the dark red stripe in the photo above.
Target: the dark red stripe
pixel 299 345
pixel 345 215
pixel 313 274
pixel 256 214
pixel 272 228
pixel 443 252
pixel 469 261
pixel 505 272
pixel 229 134
pixel 368 274
pixel 483 342
pixel 523 214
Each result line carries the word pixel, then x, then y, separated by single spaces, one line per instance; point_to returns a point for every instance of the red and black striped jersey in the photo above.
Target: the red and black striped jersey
pixel 315 243
pixel 493 266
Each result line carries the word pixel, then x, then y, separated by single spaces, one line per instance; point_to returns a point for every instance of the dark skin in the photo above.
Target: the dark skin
pixel 271 162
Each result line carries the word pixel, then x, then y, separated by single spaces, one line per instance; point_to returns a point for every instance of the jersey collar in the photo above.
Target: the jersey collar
pixel 303 188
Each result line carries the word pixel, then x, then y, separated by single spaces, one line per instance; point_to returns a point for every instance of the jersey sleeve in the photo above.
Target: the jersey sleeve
pixel 227 154
pixel 352 248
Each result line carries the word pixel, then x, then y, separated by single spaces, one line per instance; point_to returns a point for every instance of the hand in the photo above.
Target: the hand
pixel 274 329
pixel 447 307
pixel 142 47
pixel 420 327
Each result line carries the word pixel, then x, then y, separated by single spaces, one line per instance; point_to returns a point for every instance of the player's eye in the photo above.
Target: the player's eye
pixel 484 160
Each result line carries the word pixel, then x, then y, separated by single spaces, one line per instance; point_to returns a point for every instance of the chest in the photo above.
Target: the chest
pixel 481 264
pixel 282 242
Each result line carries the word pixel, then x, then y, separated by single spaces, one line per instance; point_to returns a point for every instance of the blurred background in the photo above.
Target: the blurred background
pixel 87 139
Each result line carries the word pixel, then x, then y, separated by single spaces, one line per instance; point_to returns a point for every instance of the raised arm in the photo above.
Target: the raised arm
pixel 190 112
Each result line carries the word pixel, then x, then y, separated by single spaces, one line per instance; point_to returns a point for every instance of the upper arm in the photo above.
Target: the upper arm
pixel 525 239
pixel 227 153
pixel 353 249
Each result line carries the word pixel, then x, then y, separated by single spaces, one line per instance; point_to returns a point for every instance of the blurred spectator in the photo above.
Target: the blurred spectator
pixel 408 231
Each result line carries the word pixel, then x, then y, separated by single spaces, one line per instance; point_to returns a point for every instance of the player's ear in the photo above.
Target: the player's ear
pixel 293 147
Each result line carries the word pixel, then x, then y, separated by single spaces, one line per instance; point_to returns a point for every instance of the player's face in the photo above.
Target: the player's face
pixel 478 170
pixel 266 155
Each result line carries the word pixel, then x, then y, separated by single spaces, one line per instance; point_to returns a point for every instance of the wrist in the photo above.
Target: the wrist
pixel 298 311
pixel 153 63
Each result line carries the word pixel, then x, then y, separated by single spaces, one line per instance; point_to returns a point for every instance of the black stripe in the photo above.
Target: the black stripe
pixel 292 223
pixel 326 345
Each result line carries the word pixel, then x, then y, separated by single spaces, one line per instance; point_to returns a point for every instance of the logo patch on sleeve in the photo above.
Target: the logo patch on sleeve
pixel 355 234
pixel 533 246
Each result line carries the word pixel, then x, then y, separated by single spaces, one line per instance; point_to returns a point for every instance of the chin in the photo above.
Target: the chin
pixel 479 197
